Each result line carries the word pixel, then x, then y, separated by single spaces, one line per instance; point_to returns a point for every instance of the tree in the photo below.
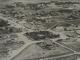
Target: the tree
pixel 3 23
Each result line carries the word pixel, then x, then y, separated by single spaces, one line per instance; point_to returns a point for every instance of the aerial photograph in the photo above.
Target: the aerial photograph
pixel 39 29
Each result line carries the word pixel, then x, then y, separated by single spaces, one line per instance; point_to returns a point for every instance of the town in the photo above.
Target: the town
pixel 44 30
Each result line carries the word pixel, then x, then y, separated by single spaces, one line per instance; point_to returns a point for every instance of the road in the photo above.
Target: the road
pixel 23 53
pixel 21 37
pixel 24 49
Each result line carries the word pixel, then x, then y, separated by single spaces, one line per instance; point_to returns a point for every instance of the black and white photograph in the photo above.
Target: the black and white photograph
pixel 39 29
